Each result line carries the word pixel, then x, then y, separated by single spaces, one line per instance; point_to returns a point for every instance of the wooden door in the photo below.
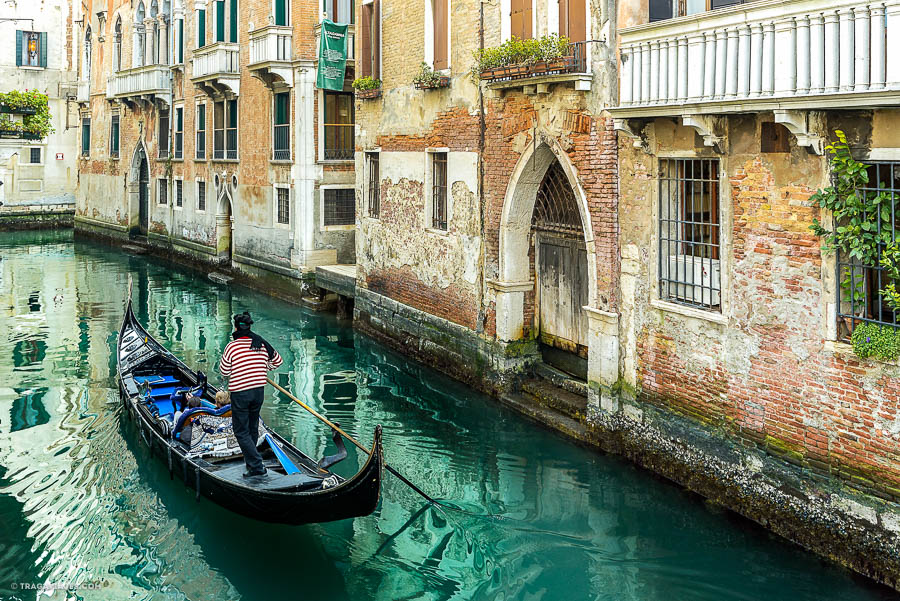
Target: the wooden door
pixel 562 292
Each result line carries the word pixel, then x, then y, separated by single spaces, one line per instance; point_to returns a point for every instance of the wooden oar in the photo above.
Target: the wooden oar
pixel 351 439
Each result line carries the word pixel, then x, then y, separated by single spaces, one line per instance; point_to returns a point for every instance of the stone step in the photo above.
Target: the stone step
pixel 546 394
pixel 220 278
pixel 134 249
pixel 545 416
pixel 560 378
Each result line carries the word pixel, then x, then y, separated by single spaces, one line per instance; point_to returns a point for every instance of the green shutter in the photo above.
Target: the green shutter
pixel 85 137
pixel 179 119
pixel 18 48
pixel 201 117
pixel 220 20
pixel 42 40
pixel 234 20
pixel 232 113
pixel 280 12
pixel 201 28
pixel 180 41
pixel 281 108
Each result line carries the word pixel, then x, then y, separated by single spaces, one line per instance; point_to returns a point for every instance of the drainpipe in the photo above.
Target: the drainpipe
pixel 481 202
pixel 170 176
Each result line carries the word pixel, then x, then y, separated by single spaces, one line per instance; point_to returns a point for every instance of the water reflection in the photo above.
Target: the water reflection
pixel 80 498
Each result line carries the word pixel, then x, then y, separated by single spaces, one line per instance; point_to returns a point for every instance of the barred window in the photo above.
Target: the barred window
pixel 35 157
pixel 114 136
pixel 281 128
pixel 861 284
pixel 439 190
pixel 163 134
pixel 340 206
pixel 689 232
pixel 163 191
pixel 339 124
pixel 284 205
pixel 201 195
pixel 374 191
pixel 201 132
pixel 85 136
pixel 179 193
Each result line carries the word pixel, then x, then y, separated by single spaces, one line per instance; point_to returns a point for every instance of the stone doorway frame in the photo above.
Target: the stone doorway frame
pixel 133 187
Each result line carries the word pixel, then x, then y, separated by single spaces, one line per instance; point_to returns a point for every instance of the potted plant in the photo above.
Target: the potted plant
pixel 35 111
pixel 428 79
pixel 367 87
pixel 516 58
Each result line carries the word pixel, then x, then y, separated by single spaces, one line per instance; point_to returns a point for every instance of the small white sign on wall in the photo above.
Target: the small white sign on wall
pixel 59 156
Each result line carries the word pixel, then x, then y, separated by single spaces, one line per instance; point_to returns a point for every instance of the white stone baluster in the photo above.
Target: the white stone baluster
pixel 654 71
pixel 721 61
pixel 816 55
pixel 636 74
pixel 756 56
pixel 696 56
pixel 861 58
pixel 832 52
pixel 743 61
pixel 682 68
pixel 731 64
pixel 892 35
pixel 664 71
pixel 627 59
pixel 785 57
pixel 877 81
pixel 845 18
pixel 709 66
pixel 645 72
pixel 768 73
pixel 803 64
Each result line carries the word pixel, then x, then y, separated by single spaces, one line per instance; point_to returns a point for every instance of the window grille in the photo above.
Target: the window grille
pixel 284 205
pixel 281 134
pixel 374 190
pixel 338 125
pixel 201 132
pixel 86 136
pixel 179 193
pixel 556 209
pixel 689 232
pixel 35 157
pixel 163 134
pixel 439 190
pixel 859 285
pixel 340 206
pixel 201 195
pixel 163 192
pixel 114 136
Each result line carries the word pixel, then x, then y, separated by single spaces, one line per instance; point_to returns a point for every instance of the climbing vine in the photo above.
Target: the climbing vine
pixel 37 124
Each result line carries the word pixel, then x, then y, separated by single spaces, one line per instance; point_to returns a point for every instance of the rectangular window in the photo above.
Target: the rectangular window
pixel 180 47
pixel 179 132
pixel 163 191
pixel 572 20
pixel 374 189
pixel 31 49
pixel 667 9
pixel 201 28
pixel 281 132
pixel 220 20
pixel 439 190
pixel 163 135
pixel 520 18
pixel 689 231
pixel 340 206
pixel 440 23
pixel 339 11
pixel 281 13
pixel 201 195
pixel 231 133
pixel 200 151
pixel 218 130
pixel 179 193
pixel 370 39
pixel 35 156
pixel 233 22
pixel 338 124
pixel 114 136
pixel 85 136
pixel 861 283
pixel 284 205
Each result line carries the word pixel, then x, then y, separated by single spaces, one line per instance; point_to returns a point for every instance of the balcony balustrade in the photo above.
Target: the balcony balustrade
pixel 769 54
pixel 535 78
pixel 147 82
pixel 83 92
pixel 217 68
pixel 271 52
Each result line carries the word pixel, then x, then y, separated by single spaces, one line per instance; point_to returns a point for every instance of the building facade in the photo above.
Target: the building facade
pixel 202 130
pixel 38 174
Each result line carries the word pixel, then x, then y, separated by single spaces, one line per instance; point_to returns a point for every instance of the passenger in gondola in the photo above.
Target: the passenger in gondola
pixel 189 401
pixel 245 362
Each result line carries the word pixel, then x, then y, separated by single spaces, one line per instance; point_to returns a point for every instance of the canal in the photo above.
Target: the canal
pixel 81 500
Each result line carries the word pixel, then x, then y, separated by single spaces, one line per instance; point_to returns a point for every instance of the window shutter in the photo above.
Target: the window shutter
pixel 201 28
pixel 520 18
pixel 220 20
pixel 43 49
pixel 376 39
pixel 280 12
pixel 180 41
pixel 18 48
pixel 440 34
pixel 572 20
pixel 234 20
pixel 365 35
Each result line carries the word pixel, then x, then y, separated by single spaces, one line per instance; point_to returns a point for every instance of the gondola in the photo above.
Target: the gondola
pixel 296 489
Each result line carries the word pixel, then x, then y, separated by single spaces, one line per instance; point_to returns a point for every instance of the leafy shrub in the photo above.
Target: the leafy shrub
pixel 366 83
pixel 37 124
pixel 427 77
pixel 873 340
pixel 516 51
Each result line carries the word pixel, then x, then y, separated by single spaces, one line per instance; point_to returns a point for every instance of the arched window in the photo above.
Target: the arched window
pixel 137 51
pixel 153 35
pixel 117 45
pixel 87 54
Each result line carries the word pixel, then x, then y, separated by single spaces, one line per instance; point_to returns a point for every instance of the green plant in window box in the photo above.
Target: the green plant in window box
pixel 857 234
pixel 516 56
pixel 428 78
pixel 876 341
pixel 366 83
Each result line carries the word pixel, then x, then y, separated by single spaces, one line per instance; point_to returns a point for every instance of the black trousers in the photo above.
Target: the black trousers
pixel 245 406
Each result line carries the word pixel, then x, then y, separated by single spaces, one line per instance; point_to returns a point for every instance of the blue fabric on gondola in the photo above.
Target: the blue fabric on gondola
pixel 283 459
pixel 153 380
pixel 197 410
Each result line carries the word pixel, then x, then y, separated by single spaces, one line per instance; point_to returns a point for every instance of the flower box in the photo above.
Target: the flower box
pixel 18 134
pixel 368 94
pixel 21 110
pixel 563 64
pixel 441 82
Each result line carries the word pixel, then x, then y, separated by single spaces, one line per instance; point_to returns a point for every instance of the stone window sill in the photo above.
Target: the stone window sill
pixel 338 228
pixel 712 316
pixel 845 350
pixel 437 232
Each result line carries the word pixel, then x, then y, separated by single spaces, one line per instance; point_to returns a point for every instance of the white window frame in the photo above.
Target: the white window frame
pixel 43 150
pixel 206 149
pixel 287 13
pixel 366 173
pixel 429 35
pixel 197 182
pixel 275 223
pixel 290 124
pixel 162 181
pixel 337 228
pixel 428 192
pixel 114 113
pixel 173 123
pixel 175 193
pixel 321 127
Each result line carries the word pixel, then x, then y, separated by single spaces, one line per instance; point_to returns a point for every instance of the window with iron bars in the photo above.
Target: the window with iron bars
pixel 163 191
pixel 281 128
pixel 163 134
pixel 338 124
pixel 374 190
pixel 201 195
pixel 859 286
pixel 85 136
pixel 114 137
pixel 689 233
pixel 179 193
pixel 225 130
pixel 284 205
pixel 340 206
pixel 439 190
pixel 200 150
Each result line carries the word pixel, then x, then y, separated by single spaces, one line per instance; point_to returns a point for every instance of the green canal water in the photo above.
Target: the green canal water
pixel 81 501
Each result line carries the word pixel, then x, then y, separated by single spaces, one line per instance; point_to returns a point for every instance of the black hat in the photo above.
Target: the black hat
pixel 243 319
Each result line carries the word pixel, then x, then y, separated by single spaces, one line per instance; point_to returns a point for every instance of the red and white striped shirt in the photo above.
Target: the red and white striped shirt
pixel 247 368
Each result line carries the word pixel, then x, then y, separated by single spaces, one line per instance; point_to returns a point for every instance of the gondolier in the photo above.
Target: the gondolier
pixel 245 362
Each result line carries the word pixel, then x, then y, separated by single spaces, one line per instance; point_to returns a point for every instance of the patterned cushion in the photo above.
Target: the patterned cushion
pixel 213 436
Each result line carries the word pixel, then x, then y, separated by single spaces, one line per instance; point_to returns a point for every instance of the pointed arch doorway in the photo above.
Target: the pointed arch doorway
pixel 140 177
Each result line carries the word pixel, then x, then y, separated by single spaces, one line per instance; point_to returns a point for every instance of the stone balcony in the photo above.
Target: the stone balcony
pixel 216 69
pixel 785 56
pixel 141 83
pixel 83 92
pixel 271 52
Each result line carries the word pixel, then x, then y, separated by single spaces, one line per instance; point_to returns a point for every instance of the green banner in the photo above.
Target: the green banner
pixel 332 56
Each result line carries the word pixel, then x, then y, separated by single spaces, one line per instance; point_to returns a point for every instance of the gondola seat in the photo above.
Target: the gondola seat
pixel 190 414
